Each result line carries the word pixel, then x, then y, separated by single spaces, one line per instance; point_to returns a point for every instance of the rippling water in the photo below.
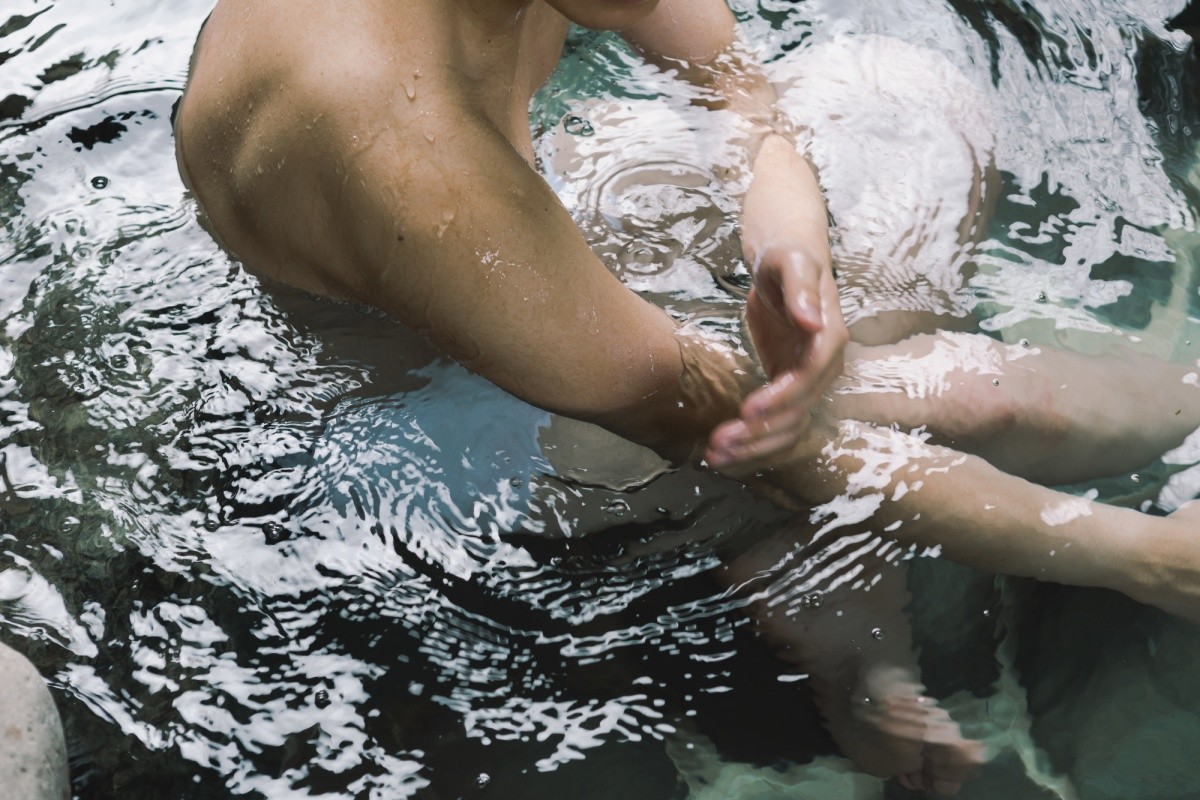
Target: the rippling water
pixel 271 547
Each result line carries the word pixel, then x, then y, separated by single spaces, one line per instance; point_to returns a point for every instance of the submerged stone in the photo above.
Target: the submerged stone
pixel 33 752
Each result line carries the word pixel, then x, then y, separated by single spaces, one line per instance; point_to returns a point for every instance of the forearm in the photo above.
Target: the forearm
pixel 691 396
pixel 784 208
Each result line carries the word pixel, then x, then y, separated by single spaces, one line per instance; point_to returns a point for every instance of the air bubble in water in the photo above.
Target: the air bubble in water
pixel 274 533
pixel 99 182
pixel 617 508
pixel 877 634
pixel 321 698
pixel 483 780
pixel 812 600
pixel 577 126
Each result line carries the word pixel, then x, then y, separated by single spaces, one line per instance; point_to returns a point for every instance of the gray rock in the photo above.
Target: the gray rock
pixel 33 752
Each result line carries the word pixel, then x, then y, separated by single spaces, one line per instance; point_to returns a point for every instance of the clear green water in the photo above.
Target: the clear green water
pixel 260 555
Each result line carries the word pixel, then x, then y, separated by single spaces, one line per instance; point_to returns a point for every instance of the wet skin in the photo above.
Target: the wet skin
pixel 380 152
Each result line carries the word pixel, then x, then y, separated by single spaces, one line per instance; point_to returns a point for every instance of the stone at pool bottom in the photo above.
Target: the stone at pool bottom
pixel 33 752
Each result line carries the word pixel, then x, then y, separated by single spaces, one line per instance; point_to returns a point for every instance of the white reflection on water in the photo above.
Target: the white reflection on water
pixel 262 537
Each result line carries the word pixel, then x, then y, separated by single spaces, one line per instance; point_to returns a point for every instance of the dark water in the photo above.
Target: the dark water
pixel 264 546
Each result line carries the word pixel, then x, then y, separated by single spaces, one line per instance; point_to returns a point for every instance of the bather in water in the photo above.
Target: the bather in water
pixel 397 170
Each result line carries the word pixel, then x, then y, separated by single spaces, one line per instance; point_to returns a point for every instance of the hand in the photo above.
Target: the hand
pixel 795 321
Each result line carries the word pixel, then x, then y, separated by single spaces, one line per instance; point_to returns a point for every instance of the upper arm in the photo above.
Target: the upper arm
pixel 698 39
pixel 464 242
pixel 691 31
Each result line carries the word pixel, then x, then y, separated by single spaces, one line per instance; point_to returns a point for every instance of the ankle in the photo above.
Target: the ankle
pixel 1150 563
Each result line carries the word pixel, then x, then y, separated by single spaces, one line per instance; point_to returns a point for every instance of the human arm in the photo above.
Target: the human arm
pixel 793 311
pixel 492 269
pixel 465 242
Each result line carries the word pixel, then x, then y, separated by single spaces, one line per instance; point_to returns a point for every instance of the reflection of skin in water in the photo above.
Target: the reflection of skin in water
pixel 375 173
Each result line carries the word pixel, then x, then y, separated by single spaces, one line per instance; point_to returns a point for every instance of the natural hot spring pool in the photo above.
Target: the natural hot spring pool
pixel 258 554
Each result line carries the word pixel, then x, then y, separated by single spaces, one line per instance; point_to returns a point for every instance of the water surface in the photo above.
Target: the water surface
pixel 266 546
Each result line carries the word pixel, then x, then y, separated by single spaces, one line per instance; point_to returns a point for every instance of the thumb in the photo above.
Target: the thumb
pixel 801 289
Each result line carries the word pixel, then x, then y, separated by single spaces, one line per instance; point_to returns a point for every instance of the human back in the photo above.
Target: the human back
pixel 282 96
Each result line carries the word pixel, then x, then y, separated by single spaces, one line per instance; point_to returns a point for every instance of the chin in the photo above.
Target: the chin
pixel 605 15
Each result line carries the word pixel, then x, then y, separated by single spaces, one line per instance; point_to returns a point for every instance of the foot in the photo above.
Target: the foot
pixel 891 729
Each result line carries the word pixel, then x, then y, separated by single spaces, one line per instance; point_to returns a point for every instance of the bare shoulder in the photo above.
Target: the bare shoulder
pixel 277 107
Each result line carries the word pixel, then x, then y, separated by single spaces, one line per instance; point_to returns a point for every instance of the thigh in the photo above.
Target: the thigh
pixel 903 145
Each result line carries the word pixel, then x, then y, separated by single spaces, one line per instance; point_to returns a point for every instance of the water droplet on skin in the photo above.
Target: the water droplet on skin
pixel 812 600
pixel 483 780
pixel 877 634
pixel 995 381
pixel 577 126
pixel 99 182
pixel 321 699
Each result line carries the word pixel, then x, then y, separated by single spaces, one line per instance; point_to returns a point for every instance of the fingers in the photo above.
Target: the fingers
pixel 775 418
pixel 795 319
pixel 761 449
pixel 800 386
pixel 791 282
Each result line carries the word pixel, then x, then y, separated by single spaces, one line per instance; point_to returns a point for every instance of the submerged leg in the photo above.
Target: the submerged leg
pixel 933 497
pixel 1051 416
pixel 856 645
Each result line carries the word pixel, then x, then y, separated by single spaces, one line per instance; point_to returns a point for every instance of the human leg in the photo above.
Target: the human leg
pixel 836 612
pixel 1047 415
pixel 924 495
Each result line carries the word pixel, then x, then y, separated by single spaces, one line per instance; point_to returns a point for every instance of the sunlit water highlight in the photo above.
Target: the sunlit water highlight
pixel 268 546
